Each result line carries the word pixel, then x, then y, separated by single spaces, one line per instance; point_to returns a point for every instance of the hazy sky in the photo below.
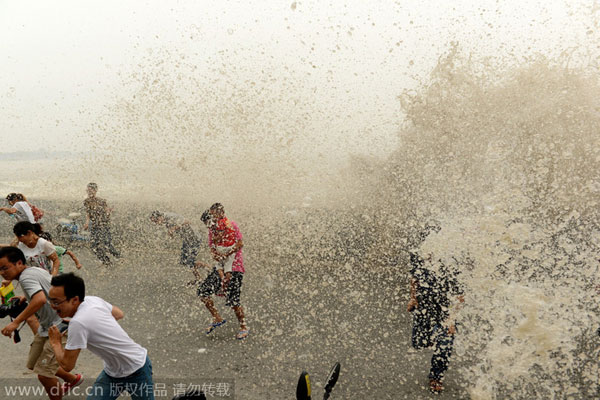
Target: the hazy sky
pixel 291 87
pixel 61 60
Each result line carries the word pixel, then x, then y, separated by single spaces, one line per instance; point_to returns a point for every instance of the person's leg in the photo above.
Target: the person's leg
pixel 440 360
pixel 35 350
pixel 189 252
pixel 66 376
pixel 422 328
pixel 105 388
pixel 109 244
pixel 233 300
pixel 42 362
pixel 97 245
pixel 210 305
pixel 183 258
pixel 211 284
pixel 239 313
pixel 52 387
pixel 46 363
pixel 140 384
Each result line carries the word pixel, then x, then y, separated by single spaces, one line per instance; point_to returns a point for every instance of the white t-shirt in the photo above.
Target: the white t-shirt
pixel 38 256
pixel 24 212
pixel 94 327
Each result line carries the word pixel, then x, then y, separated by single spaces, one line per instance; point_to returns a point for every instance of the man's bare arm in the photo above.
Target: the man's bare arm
pixel 66 358
pixel 117 313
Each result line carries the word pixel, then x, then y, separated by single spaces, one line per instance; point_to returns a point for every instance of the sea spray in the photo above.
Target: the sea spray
pixel 507 161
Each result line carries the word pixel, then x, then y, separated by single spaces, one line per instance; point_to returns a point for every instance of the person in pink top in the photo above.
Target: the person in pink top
pixel 225 241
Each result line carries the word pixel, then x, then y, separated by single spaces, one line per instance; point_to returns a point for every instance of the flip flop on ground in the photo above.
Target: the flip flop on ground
pixel 214 326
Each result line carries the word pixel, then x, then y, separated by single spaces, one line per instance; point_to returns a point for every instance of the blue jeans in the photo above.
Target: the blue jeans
pixel 443 342
pixel 139 385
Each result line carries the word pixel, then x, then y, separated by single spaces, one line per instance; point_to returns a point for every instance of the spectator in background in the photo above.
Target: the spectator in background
pixel 178 225
pixel 98 222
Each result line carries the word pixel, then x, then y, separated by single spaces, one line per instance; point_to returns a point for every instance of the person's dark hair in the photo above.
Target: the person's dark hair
pixel 73 285
pixel 217 207
pixel 155 215
pixel 92 185
pixel 13 254
pixel 205 216
pixel 12 196
pixel 21 197
pixel 21 228
pixel 37 229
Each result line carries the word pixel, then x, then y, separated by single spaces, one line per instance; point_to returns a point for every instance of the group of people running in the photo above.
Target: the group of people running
pixel 226 274
pixel 64 320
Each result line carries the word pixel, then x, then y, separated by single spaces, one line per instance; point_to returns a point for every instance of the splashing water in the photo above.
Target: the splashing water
pixel 504 155
pixel 508 161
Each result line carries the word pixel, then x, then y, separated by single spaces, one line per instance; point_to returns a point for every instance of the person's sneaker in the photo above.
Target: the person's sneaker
pixel 66 386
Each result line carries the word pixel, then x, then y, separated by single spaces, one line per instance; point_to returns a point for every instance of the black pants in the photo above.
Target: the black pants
pixel 101 243
pixel 429 331
pixel 189 252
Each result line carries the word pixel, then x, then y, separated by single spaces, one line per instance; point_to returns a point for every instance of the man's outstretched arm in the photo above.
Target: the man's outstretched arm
pixel 66 358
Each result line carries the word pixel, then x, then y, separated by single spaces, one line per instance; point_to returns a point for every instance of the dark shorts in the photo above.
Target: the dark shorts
pixel 212 284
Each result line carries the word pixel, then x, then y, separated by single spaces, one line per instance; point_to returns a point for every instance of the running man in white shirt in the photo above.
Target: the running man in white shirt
pixel 35 283
pixel 94 326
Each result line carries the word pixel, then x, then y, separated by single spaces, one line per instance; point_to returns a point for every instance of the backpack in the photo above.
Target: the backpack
pixel 37 212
